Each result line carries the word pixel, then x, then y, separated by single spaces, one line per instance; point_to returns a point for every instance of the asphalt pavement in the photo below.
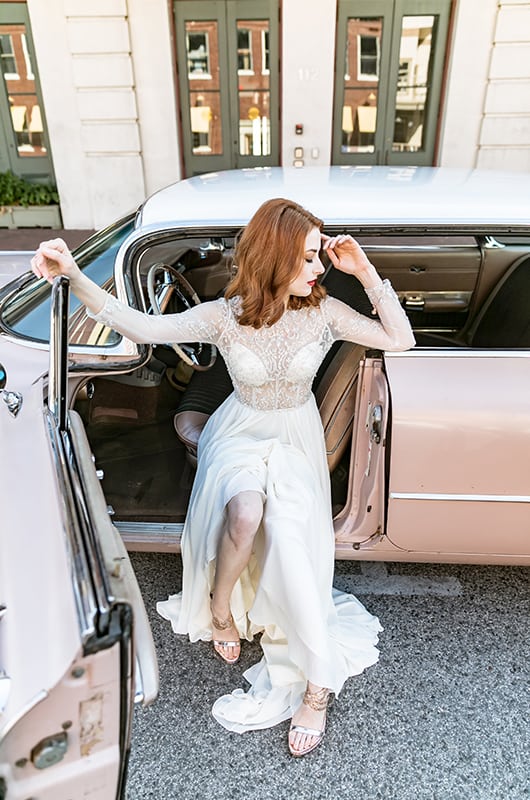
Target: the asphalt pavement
pixel 444 715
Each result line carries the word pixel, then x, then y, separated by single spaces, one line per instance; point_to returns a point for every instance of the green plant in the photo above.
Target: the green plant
pixel 15 191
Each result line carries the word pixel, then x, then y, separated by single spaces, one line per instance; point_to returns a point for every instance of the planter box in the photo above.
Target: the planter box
pixel 30 217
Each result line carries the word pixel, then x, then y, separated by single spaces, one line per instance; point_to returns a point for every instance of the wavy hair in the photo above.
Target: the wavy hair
pixel 269 256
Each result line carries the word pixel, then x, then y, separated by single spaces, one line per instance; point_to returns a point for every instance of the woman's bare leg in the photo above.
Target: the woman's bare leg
pixel 244 513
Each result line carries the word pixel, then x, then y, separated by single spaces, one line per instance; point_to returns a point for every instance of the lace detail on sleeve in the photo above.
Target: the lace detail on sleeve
pixel 392 332
pixel 202 323
pixel 381 294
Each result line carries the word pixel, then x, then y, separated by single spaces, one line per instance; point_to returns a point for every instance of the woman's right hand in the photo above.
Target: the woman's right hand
pixel 53 258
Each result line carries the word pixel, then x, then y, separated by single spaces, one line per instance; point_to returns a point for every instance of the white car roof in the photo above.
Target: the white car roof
pixel 367 196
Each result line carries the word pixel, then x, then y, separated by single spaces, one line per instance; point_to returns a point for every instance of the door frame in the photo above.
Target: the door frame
pixel 226 13
pixel 392 14
pixel 30 167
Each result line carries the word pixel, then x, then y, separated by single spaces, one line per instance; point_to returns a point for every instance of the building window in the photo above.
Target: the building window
pixel 368 53
pixel 244 51
pixel 265 53
pixel 198 54
pixel 7 57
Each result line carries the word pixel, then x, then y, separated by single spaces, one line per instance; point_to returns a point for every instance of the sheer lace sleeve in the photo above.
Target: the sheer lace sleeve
pixel 392 332
pixel 202 323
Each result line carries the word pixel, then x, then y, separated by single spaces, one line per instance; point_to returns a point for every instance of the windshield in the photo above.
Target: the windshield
pixel 27 313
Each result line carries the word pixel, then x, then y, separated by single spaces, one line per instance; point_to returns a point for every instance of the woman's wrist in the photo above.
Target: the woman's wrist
pixel 369 277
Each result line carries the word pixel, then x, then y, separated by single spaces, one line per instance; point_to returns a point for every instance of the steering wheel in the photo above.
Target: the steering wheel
pixel 165 285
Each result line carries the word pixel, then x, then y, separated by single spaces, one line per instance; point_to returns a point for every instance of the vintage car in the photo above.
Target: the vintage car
pixel 428 450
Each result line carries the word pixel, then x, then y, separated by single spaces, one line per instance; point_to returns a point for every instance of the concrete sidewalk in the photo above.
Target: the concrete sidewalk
pixel 28 239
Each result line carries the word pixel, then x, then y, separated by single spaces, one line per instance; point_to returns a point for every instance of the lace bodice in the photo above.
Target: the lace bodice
pixel 271 367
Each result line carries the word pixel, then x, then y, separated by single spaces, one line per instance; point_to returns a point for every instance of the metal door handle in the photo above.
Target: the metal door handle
pixel 414 302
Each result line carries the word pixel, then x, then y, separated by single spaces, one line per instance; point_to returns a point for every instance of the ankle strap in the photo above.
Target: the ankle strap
pixel 317 700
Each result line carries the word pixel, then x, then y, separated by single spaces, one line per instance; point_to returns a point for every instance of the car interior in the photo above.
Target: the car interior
pixel 143 427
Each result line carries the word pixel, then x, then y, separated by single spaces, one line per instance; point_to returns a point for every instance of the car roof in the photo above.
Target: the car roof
pixel 361 195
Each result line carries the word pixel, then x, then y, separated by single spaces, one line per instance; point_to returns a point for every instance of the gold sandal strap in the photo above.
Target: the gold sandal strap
pixel 222 624
pixel 317 700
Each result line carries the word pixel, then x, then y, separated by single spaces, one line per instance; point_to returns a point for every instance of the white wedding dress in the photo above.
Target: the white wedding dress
pixel 267 436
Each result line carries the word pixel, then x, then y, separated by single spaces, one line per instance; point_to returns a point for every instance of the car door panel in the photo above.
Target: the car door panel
pixel 434 281
pixel 72 614
pixel 458 479
pixel 360 522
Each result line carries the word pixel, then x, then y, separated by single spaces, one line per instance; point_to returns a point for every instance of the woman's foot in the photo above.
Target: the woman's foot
pixel 226 641
pixel 309 722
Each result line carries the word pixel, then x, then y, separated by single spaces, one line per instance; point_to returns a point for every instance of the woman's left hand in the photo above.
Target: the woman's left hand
pixel 347 255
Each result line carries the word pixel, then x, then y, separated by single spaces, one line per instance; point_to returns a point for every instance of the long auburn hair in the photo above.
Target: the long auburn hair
pixel 268 258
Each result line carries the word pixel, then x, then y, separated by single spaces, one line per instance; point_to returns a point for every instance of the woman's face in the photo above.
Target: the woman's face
pixel 310 268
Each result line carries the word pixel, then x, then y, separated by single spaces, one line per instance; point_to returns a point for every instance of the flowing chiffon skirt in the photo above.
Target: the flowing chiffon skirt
pixel 310 631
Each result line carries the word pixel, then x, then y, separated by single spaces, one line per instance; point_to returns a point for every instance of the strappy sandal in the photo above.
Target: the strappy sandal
pixel 220 646
pixel 318 701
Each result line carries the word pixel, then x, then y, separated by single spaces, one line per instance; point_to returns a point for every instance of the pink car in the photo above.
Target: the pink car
pixel 428 450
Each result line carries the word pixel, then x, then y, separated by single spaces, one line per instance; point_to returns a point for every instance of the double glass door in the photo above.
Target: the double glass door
pixel 23 139
pixel 227 58
pixel 390 61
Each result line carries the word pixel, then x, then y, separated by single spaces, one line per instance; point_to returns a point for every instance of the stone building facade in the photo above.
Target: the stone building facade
pixel 135 94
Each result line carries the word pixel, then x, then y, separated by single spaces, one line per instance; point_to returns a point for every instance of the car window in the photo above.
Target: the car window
pixel 27 313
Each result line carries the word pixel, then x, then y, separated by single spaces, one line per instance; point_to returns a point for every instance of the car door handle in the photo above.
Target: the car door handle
pixel 414 302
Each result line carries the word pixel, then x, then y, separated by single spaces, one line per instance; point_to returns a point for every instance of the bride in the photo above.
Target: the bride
pixel 258 544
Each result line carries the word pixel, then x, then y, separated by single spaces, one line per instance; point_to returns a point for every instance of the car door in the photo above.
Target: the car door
pixel 460 444
pixel 360 523
pixel 75 645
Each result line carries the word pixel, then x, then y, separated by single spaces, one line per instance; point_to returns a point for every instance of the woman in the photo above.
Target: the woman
pixel 258 544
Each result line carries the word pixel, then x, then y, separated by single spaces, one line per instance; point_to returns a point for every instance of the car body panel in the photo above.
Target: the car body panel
pixel 460 451
pixel 33 538
pixel 13 263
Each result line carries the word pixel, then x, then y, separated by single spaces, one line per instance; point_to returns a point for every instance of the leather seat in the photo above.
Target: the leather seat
pixel 335 391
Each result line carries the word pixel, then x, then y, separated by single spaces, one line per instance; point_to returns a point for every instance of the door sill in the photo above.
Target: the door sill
pixel 153 537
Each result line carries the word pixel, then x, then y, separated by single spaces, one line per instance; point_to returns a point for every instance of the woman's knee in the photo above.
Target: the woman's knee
pixel 245 511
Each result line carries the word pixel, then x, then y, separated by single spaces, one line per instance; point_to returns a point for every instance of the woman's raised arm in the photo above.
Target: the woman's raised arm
pixel 202 323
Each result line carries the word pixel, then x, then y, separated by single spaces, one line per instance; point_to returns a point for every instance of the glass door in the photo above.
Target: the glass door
pixel 23 138
pixel 390 60
pixel 227 56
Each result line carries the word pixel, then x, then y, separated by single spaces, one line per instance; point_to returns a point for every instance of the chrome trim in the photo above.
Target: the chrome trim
pixel 136 528
pixel 457 352
pixel 13 401
pixel 85 601
pixel 118 569
pixel 407 247
pixel 483 498
pixel 490 243
pixel 58 370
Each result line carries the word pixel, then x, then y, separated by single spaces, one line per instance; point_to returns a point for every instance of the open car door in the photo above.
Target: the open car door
pixel 76 646
pixel 460 454
pixel 360 523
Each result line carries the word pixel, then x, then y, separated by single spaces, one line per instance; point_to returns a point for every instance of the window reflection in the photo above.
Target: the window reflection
pixel 254 87
pixel 17 72
pixel 361 84
pixel 202 50
pixel 197 45
pixel 414 77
